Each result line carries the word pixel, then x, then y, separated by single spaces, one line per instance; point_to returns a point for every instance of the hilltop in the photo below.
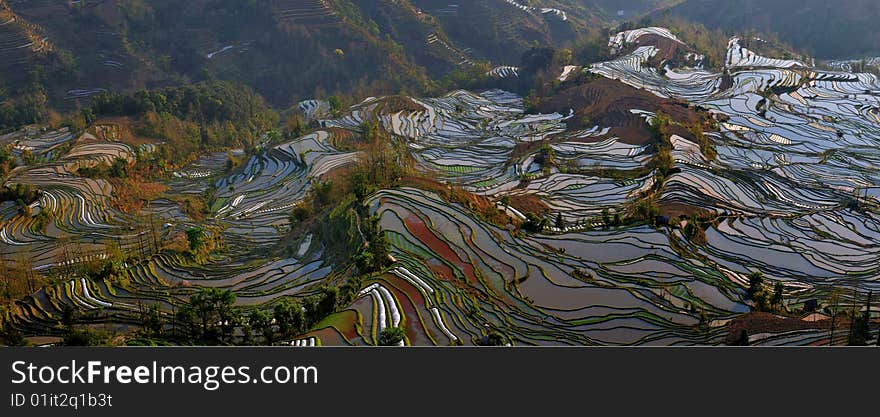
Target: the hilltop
pixel 287 50
pixel 826 29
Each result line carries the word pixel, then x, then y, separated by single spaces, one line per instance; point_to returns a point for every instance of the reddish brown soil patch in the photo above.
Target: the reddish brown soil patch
pixel 667 48
pixel 524 148
pixel 631 134
pixel 528 203
pixel 412 293
pixel 677 210
pixel 760 322
pixel 394 104
pixel 683 132
pixel 607 103
pixel 440 270
pixel 421 231
pixel 330 336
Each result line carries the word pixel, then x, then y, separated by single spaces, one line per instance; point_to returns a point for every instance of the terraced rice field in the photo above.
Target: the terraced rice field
pixel 851 65
pixel 788 171
pixel 790 168
pixel 504 71
pixel 775 162
pixel 783 181
pixel 20 45
pixel 466 138
pixel 460 56
pixel 542 10
pixel 258 202
pixel 479 277
pixel 310 13
pixel 38 143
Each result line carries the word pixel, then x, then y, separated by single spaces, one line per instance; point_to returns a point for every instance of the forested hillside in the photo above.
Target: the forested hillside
pixel 826 29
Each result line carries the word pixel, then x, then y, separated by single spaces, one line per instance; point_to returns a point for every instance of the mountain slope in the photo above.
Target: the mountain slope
pixel 838 29
pixel 22 45
pixel 501 30
pixel 289 50
pixel 629 9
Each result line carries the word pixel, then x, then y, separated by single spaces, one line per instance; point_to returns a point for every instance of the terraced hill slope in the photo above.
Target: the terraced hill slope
pixel 659 196
pixel 89 37
pixel 283 48
pixel 838 29
pixel 288 50
pixel 23 46
pixel 629 227
pixel 501 30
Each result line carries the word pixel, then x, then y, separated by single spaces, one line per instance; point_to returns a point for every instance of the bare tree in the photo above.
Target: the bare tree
pixel 5 273
pixel 833 305
pixel 25 265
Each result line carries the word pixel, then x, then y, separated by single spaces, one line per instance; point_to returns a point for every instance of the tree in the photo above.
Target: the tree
pixel 6 275
pixel 247 332
pixel 560 222
pixel 778 292
pixel 152 322
pixel 335 104
pixel 73 335
pixel 391 336
pixel 379 248
pixel 294 126
pixel 756 283
pixel 84 337
pixel 349 290
pixel 659 125
pixel 88 116
pixel 647 210
pixel 364 262
pixel 27 157
pixel 534 223
pixel 261 321
pixel 327 303
pixel 663 161
pixel 546 156
pixel 322 194
pixel 860 330
pixel 833 310
pixel 743 339
pixel 361 186
pixel 757 292
pixel 195 236
pixel 119 168
pixel 210 315
pixel 301 212
pixel 10 336
pixel 691 228
pixel 290 318
pixel 310 304
pixel 494 338
pixel 536 59
pixel 24 266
